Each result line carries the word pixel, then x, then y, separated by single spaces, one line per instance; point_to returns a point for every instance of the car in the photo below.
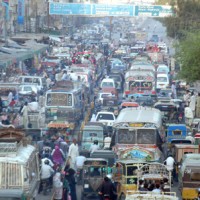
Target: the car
pixel 108 83
pixel 118 80
pixel 163 69
pixel 165 105
pixel 144 100
pixel 164 93
pixel 107 118
pixel 102 95
pixel 162 81
pixel 28 89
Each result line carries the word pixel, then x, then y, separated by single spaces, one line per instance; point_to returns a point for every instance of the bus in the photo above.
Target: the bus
pixel 64 104
pixel 138 134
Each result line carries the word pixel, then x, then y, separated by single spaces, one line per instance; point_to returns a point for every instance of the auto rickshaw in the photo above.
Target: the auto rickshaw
pixel 182 149
pixel 94 171
pixel 189 176
pixel 92 131
pixel 129 104
pixel 125 176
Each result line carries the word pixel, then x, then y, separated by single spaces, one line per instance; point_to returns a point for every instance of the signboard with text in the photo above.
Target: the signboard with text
pixel 20 11
pixel 69 9
pixel 153 11
pixel 108 10
pixel 112 10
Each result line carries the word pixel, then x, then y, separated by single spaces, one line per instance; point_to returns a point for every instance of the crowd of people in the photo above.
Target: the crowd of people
pixel 59 166
pixel 154 186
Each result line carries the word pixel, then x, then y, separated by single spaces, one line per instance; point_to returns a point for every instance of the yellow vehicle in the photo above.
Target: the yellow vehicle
pixel 189 176
pixel 125 176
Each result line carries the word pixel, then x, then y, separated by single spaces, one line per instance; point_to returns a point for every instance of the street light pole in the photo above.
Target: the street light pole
pixel 111 18
pixel 48 17
pixel 5 26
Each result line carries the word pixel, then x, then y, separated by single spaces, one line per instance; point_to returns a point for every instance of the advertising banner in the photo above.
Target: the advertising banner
pixel 20 11
pixel 5 3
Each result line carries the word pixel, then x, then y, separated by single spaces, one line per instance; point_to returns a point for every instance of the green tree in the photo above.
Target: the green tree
pixel 188 55
pixel 186 18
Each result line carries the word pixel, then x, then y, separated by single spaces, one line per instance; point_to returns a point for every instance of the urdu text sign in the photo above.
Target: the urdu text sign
pixel 69 9
pixel 112 10
pixel 153 11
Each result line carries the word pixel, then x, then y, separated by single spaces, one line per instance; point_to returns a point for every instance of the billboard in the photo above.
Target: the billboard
pixel 108 10
pixel 20 11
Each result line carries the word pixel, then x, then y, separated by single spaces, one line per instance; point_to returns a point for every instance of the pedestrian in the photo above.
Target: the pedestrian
pixel 73 153
pixel 188 115
pixel 108 189
pixel 94 146
pixel 24 113
pixel 157 189
pixel 65 76
pixel 58 156
pixel 107 141
pixel 72 183
pixel 192 104
pixel 10 97
pixel 166 186
pixel 57 186
pixel 1 105
pixel 173 89
pixel 93 119
pixel 66 187
pixel 186 97
pixel 198 106
pixel 48 82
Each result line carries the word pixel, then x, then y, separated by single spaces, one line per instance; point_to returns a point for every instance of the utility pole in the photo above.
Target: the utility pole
pixel 111 18
pixel 5 25
pixel 48 16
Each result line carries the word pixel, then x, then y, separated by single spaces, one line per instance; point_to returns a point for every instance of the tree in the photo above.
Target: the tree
pixel 188 55
pixel 186 18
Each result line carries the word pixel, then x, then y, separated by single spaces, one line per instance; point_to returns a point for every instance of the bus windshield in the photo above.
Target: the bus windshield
pixel 146 136
pixel 137 136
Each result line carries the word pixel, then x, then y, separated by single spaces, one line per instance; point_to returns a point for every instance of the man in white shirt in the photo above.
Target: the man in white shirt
pixel 173 88
pixel 188 115
pixel 107 141
pixel 50 162
pixel 73 153
pixel 157 190
pixel 46 170
pixel 94 146
pixel 169 162
pixel 80 161
pixel 65 76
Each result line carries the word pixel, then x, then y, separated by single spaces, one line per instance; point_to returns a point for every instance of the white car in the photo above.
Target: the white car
pixel 28 89
pixel 163 69
pixel 162 81
pixel 108 83
pixel 102 95
pixel 107 118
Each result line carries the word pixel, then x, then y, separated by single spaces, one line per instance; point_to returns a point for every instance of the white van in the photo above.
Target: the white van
pixel 35 80
pixel 108 83
pixel 162 68
pixel 162 81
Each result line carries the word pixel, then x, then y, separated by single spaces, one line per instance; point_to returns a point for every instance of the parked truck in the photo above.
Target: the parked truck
pixel 19 166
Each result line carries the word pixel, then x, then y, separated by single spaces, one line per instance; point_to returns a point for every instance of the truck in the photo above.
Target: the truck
pixel 139 81
pixel 19 166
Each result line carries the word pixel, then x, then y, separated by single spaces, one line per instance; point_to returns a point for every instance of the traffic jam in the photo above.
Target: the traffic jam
pixel 100 119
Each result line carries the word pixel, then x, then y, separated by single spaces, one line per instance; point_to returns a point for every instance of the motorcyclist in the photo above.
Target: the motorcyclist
pixel 108 189
pixel 46 174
